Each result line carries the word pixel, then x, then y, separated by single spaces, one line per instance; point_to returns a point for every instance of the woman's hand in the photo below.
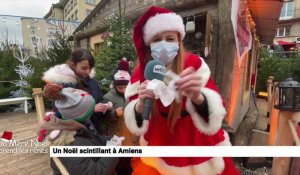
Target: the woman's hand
pixel 190 84
pixel 143 94
pixel 100 107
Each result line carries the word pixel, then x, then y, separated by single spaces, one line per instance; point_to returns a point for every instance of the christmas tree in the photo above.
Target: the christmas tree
pixel 8 76
pixel 117 45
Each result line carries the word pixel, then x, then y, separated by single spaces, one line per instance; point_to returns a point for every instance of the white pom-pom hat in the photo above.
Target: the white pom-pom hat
pixel 163 22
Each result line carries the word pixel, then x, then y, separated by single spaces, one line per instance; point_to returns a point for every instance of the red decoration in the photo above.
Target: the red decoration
pixel 7 135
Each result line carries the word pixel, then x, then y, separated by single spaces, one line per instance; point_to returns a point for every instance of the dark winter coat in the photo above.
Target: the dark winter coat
pixel 87 165
pixel 117 99
pixel 117 124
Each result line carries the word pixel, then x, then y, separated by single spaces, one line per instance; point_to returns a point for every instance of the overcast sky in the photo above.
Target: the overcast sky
pixel 29 8
pixel 17 8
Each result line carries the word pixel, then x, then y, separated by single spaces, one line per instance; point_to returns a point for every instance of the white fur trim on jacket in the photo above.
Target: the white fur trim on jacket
pixel 226 141
pixel 131 89
pixel 143 141
pixel 204 72
pixel 212 166
pixel 216 112
pixel 163 22
pixel 131 122
pixel 60 74
pixel 92 73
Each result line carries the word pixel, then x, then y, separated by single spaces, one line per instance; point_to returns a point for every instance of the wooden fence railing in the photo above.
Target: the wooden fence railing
pixel 294 132
pixel 283 132
pixel 40 110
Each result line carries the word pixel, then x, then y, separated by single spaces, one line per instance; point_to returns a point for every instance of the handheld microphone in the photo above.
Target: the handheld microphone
pixel 154 70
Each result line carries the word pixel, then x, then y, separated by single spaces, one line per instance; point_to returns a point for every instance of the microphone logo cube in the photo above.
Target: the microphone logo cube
pixel 159 69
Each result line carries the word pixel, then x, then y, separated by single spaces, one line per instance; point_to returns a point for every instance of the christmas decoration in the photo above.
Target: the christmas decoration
pixel 6 136
pixel 109 43
pixel 23 70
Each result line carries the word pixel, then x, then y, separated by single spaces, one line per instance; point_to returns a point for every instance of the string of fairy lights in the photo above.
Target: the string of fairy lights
pixel 251 22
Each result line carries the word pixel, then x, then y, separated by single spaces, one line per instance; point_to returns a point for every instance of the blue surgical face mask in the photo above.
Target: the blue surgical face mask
pixel 164 51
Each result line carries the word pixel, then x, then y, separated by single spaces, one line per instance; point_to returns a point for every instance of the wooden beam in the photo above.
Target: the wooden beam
pixel 226 50
pixel 39 103
pixel 293 127
pixel 270 92
pixel 281 165
pixel 60 166
pixel 295 166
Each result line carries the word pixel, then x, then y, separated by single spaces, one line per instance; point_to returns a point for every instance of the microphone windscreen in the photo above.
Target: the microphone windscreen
pixel 155 70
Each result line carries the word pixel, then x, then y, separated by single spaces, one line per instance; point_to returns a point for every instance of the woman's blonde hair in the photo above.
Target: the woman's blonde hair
pixel 175 108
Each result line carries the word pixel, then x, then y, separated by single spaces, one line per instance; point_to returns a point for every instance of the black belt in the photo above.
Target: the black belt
pixel 182 114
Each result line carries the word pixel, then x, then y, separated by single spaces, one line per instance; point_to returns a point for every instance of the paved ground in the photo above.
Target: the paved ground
pixel 259 134
pixel 252 132
pixel 260 137
pixel 24 129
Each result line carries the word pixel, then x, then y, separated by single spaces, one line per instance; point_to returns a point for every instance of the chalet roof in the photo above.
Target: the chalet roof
pixel 266 16
pixel 133 14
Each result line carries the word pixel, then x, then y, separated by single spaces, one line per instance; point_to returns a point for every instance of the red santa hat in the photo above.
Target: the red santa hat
pixel 154 21
pixel 6 136
pixel 122 76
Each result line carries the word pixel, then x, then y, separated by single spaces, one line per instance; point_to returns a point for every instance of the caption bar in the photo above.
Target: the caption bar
pixel 174 151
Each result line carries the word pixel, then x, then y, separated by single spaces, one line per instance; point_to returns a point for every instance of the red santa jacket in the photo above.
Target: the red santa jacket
pixel 192 129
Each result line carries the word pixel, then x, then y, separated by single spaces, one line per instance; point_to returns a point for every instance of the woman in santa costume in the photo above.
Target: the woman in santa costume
pixel 193 121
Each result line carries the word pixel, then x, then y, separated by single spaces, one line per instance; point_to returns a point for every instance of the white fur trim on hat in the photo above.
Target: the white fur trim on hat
pixel 122 75
pixel 60 74
pixel 163 22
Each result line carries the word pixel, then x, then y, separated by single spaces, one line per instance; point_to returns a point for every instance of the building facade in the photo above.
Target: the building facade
pixel 288 31
pixel 71 10
pixel 38 34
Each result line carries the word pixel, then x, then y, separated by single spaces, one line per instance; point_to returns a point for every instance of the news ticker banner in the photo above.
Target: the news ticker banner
pixel 175 151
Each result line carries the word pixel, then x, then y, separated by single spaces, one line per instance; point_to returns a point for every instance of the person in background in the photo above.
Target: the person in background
pixel 195 120
pixel 116 96
pixel 75 106
pixel 117 123
pixel 78 73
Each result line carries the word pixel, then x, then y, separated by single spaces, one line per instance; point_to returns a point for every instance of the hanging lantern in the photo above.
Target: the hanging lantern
pixel 190 26
pixel 289 95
